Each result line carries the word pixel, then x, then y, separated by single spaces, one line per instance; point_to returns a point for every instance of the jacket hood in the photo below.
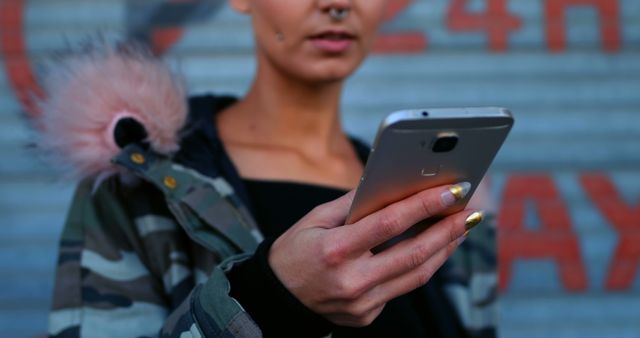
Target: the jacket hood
pixel 102 97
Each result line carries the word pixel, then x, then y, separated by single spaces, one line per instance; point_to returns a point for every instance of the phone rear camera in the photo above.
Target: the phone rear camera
pixel 445 144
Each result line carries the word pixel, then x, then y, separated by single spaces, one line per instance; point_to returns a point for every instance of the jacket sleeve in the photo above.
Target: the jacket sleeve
pixel 122 272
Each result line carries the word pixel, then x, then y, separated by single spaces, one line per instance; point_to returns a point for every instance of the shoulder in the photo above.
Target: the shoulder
pixel 205 106
pixel 131 223
pixel 118 207
pixel 199 136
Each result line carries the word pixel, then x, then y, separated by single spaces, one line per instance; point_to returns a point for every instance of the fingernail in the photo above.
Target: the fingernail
pixel 455 193
pixel 463 237
pixel 473 220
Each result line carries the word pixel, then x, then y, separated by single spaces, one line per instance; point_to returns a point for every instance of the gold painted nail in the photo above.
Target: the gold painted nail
pixel 455 193
pixel 473 220
pixel 460 190
pixel 137 158
pixel 170 182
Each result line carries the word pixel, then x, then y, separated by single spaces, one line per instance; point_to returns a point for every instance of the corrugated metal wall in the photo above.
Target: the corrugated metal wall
pixel 568 180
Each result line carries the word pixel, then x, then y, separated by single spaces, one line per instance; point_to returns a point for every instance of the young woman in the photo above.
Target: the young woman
pixel 242 232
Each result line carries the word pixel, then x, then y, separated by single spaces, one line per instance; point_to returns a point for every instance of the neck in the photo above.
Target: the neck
pixel 286 112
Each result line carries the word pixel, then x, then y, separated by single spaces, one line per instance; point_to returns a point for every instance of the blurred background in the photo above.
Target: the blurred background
pixel 567 182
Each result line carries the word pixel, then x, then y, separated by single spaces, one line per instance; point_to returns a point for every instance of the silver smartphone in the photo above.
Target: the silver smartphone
pixel 423 148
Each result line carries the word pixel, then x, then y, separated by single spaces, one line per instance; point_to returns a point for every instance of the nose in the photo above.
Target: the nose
pixel 326 5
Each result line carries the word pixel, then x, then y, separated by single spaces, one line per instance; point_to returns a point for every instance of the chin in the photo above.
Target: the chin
pixel 331 71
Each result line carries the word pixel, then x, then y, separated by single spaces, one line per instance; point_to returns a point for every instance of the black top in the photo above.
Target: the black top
pixel 276 206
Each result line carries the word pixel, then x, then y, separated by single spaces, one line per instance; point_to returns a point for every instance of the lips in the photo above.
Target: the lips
pixel 334 35
pixel 332 41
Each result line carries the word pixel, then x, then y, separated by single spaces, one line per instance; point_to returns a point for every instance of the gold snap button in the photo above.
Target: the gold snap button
pixel 137 158
pixel 170 182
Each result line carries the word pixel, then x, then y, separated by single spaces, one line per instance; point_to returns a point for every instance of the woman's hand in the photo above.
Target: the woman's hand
pixel 330 268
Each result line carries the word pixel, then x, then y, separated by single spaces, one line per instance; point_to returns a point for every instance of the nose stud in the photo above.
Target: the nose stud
pixel 338 14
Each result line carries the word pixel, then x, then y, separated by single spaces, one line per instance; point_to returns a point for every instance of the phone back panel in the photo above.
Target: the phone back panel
pixel 402 161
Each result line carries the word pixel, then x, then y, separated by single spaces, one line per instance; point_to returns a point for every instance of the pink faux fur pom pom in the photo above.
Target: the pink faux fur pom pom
pixel 89 91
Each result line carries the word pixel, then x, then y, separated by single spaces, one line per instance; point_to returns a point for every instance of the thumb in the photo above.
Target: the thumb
pixel 332 214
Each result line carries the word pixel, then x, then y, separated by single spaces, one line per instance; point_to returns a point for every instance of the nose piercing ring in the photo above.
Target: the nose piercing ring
pixel 338 14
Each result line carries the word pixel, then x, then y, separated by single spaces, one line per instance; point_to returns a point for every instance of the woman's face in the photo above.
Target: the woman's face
pixel 301 39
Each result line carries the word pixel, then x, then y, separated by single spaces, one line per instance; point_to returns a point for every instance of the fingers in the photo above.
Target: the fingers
pixel 396 218
pixel 360 310
pixel 417 277
pixel 414 252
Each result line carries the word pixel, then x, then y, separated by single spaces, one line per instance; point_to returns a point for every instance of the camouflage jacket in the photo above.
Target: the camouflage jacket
pixel 149 258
